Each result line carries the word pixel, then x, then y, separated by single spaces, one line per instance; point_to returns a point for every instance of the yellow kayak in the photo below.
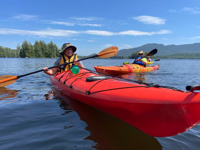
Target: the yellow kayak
pixel 129 68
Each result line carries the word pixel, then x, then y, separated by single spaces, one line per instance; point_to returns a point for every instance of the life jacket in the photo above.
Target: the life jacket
pixel 140 62
pixel 148 59
pixel 65 59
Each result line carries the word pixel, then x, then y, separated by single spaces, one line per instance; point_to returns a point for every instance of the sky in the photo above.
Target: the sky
pixel 93 25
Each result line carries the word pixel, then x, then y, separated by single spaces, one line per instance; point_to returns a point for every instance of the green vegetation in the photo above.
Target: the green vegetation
pixel 180 56
pixel 39 50
pixel 7 52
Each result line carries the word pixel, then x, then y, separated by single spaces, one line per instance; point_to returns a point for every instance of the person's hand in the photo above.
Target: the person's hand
pixel 46 69
pixel 77 62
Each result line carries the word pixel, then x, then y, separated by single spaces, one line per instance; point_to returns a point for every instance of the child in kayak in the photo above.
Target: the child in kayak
pixel 67 55
pixel 140 59
pixel 148 58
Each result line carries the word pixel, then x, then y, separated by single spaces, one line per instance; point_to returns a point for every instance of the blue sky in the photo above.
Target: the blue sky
pixel 93 25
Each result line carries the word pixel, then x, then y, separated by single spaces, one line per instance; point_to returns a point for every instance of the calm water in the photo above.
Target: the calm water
pixel 32 118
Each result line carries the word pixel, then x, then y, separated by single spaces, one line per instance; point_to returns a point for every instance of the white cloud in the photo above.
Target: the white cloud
pixel 86 18
pixel 42 33
pixel 127 46
pixel 62 23
pixel 137 33
pixel 172 11
pixel 98 32
pixel 150 20
pixel 89 24
pixel 91 40
pixel 107 45
pixel 189 10
pixel 197 37
pixel 69 33
pixel 70 23
pixel 24 17
pixel 192 10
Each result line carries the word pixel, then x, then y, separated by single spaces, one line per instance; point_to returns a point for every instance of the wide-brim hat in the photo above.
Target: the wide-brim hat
pixel 68 45
pixel 141 52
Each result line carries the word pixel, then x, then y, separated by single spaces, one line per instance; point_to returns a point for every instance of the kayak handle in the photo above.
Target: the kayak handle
pixel 192 88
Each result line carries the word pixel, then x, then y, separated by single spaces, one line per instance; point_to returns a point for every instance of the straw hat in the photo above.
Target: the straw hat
pixel 68 45
pixel 140 52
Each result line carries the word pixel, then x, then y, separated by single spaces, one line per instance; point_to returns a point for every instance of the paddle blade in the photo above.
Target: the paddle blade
pixel 108 52
pixel 7 80
pixel 153 52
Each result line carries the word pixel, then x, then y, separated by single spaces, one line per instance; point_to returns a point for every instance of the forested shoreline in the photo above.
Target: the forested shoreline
pixel 26 50
pixel 50 50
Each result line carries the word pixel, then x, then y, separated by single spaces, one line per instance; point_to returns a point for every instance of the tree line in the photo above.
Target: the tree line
pixel 26 50
pixel 180 56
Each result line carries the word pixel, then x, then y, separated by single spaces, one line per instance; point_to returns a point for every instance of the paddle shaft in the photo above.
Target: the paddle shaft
pixel 54 67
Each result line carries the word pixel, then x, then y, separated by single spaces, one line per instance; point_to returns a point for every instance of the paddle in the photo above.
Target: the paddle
pixel 151 53
pixel 6 80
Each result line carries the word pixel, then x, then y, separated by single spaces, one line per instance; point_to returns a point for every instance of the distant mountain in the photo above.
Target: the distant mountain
pixel 87 56
pixel 162 49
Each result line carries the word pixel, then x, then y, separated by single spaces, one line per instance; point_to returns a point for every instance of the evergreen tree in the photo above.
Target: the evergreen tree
pixel 18 50
pixel 43 48
pixel 2 53
pixel 25 49
pixel 37 50
pixel 51 50
pixel 31 51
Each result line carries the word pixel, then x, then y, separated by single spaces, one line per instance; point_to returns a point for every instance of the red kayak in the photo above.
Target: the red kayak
pixel 157 111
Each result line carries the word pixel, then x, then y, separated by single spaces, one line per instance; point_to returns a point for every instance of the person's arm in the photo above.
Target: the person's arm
pixel 51 72
pixel 79 63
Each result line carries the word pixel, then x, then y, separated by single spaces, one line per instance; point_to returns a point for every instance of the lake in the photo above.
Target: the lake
pixel 34 118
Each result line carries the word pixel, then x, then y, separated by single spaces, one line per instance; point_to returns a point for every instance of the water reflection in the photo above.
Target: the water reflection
pixel 134 76
pixel 6 93
pixel 110 133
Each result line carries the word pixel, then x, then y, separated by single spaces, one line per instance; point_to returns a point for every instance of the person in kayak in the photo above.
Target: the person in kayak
pixel 67 55
pixel 148 58
pixel 140 59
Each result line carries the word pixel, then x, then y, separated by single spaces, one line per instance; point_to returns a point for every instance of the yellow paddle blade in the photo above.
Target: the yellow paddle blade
pixel 108 52
pixel 6 80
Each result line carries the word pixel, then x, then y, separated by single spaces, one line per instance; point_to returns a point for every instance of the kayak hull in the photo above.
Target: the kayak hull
pixel 159 112
pixel 129 68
